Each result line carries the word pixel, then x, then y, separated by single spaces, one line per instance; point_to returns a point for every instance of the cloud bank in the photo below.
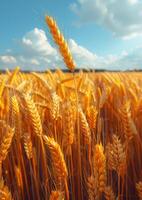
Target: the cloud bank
pixel 36 53
pixel 122 18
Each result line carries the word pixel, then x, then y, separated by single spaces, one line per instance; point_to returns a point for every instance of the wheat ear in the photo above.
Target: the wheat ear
pixel 139 189
pixel 5 194
pixel 68 124
pixel 57 158
pixel 59 164
pixel 55 195
pixel 16 114
pixel 12 76
pixel 92 117
pixel 28 145
pixel 6 140
pixel 85 130
pixel 44 83
pixel 33 115
pixel 91 188
pixel 116 155
pixel 109 195
pixel 129 127
pixel 60 41
pixel 55 106
pixel 99 164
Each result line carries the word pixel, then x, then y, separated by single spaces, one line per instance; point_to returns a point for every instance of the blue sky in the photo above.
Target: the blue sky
pixel 101 33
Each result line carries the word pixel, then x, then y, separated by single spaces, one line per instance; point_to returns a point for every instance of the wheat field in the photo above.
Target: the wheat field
pixel 70 135
pixel 67 136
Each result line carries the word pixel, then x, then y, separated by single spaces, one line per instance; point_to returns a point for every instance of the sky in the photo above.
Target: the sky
pixel 101 34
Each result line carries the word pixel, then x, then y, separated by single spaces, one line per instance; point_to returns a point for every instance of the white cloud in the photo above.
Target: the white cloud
pixel 130 60
pixel 7 59
pixel 133 1
pixel 36 41
pixel 35 53
pixel 34 62
pixel 83 56
pixel 125 61
pixel 122 18
pixel 87 59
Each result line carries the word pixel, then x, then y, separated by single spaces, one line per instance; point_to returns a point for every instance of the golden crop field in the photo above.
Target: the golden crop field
pixel 70 137
pixel 74 136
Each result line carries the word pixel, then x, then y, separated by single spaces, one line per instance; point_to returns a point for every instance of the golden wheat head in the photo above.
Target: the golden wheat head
pixel 60 41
